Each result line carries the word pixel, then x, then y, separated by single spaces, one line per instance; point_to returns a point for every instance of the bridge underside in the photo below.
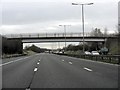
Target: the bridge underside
pixel 61 40
pixel 58 39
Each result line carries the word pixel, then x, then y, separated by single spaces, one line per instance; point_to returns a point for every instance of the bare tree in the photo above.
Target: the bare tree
pixel 96 32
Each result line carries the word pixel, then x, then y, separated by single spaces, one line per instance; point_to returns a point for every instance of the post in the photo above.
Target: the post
pixel 59 45
pixel 118 59
pixel 65 35
pixel 83 26
pixel 82 19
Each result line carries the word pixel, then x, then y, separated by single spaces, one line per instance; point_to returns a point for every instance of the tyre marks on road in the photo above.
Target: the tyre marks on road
pixel 35 70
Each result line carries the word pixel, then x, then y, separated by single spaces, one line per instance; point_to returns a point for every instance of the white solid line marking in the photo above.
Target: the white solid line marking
pixel 35 69
pixel 70 62
pixel 18 59
pixel 6 63
pixel 38 63
pixel 63 60
pixel 87 69
pixel 13 61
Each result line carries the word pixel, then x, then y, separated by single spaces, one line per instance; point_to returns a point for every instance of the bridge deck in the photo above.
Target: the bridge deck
pixel 57 37
pixel 50 35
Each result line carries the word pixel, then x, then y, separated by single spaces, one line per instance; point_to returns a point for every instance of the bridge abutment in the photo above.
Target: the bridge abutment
pixel 12 46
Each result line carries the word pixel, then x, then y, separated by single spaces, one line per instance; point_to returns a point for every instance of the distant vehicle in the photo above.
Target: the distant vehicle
pixel 60 52
pixel 88 53
pixel 95 53
pixel 46 51
pixel 104 51
pixel 56 52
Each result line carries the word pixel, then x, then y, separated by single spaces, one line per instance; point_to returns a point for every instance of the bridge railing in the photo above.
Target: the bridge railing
pixel 38 35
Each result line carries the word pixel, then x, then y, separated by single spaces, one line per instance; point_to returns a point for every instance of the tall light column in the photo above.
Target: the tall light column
pixel 65 33
pixel 83 26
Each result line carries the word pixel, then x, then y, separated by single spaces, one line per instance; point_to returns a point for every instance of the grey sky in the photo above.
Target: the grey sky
pixel 34 16
pixel 119 16
pixel 41 16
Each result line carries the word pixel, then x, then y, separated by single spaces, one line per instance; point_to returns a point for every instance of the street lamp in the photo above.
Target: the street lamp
pixel 65 33
pixel 83 26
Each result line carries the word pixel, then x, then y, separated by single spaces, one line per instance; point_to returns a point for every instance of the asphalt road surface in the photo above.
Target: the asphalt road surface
pixel 54 71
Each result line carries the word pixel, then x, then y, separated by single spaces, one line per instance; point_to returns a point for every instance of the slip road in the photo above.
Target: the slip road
pixel 54 71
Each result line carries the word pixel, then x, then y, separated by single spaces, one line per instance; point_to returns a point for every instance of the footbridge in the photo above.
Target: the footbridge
pixel 56 37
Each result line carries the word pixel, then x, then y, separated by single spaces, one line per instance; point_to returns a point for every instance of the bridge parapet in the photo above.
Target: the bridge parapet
pixel 39 35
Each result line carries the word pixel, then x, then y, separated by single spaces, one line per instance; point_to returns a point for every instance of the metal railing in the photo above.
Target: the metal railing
pixel 114 59
pixel 38 35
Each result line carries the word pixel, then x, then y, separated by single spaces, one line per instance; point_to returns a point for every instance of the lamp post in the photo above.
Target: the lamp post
pixel 65 33
pixel 83 26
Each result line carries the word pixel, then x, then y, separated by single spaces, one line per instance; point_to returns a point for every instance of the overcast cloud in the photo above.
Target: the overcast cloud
pixel 33 16
pixel 45 16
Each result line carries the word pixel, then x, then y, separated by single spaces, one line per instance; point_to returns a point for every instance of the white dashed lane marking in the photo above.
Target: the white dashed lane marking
pixel 90 70
pixel 63 60
pixel 70 62
pixel 38 63
pixel 35 69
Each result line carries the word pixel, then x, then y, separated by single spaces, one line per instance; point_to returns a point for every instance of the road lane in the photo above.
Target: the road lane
pixel 6 60
pixel 18 74
pixel 54 71
pixel 106 70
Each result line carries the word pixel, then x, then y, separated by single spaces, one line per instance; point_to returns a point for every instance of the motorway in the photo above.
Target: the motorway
pixel 53 71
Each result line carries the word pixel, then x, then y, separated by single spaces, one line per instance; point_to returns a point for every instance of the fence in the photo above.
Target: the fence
pixel 114 59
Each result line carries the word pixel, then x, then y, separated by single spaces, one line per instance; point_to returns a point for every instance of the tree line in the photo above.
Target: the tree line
pixel 111 45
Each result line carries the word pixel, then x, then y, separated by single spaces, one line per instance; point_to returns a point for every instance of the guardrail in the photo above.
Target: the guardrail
pixel 114 59
pixel 13 55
